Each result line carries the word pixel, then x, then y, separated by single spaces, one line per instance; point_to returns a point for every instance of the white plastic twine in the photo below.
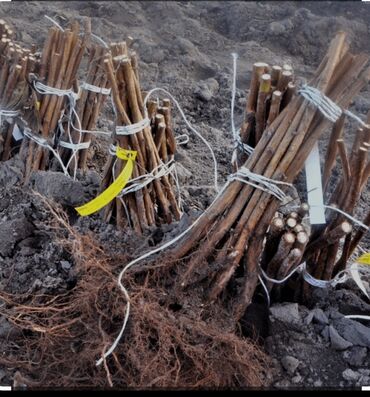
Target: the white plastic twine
pixel 101 41
pixel 142 257
pixel 350 217
pixel 141 181
pixel 44 143
pixel 341 277
pixel 72 97
pixel 75 146
pixel 72 114
pixel 241 175
pixel 238 144
pixel 86 86
pixel 358 316
pixel 132 129
pixel 266 184
pixel 325 105
pixel 47 90
pixel 54 22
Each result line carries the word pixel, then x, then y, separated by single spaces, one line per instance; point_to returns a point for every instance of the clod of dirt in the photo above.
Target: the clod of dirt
pixel 353 331
pixel 63 189
pixel 13 231
pixel 355 356
pixel 286 313
pixel 290 364
pixel 337 342
pixel 11 172
pixel 207 89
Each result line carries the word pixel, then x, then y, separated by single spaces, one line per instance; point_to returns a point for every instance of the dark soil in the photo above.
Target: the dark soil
pixel 186 48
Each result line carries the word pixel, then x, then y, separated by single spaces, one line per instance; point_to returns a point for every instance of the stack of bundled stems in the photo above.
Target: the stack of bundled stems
pixel 162 128
pixel 231 232
pixel 270 90
pixel 155 203
pixel 60 60
pixel 89 105
pixel 322 251
pixel 16 63
pixel 286 241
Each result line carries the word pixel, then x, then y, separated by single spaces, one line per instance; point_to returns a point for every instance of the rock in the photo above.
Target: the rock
pixel 336 341
pixel 363 381
pixel 353 331
pixel 320 294
pixel 65 265
pixel 242 102
pixel 185 46
pixel 150 52
pixel 11 172
pixel 320 317
pixel 308 319
pixel 286 313
pixel 355 356
pixel 350 301
pixel 282 384
pixel 277 28
pixel 297 379
pixel 350 375
pixel 206 89
pixel 334 314
pixel 318 383
pixel 290 364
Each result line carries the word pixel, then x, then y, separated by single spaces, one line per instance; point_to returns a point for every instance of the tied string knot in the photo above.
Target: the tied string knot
pixel 44 89
pixel 158 172
pixel 245 175
pixel 325 105
pixel 242 147
pixel 141 181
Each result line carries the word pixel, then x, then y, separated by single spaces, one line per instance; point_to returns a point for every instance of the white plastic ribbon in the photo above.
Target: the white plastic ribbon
pixel 94 88
pixel 133 128
pixel 75 146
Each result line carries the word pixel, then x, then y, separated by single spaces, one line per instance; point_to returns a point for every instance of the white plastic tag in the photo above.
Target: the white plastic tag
pixel 314 187
pixel 17 133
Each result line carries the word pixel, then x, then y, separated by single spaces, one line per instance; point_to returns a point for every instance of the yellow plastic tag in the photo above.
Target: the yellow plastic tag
pixel 38 105
pixel 113 190
pixel 364 259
